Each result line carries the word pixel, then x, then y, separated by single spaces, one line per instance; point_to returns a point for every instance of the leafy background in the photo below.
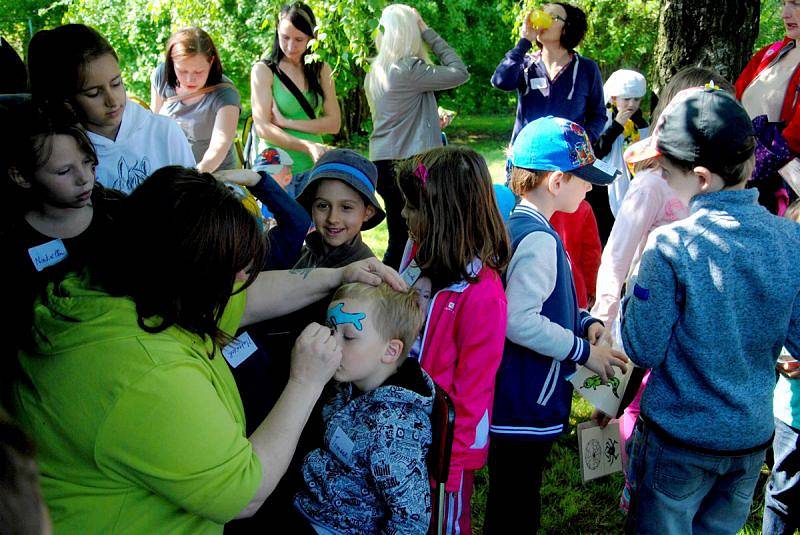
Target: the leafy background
pixel 622 34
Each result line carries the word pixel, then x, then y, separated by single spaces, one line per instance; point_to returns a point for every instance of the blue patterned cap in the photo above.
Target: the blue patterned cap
pixel 556 144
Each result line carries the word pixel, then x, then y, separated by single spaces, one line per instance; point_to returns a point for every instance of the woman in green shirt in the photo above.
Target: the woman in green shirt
pixel 126 389
pixel 278 116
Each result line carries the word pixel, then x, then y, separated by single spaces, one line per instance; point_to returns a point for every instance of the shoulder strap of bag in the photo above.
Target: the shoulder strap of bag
pixel 201 91
pixel 293 89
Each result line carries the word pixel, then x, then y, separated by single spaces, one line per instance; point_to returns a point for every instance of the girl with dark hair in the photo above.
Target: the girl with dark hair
pixel 294 101
pixel 55 216
pixel 74 64
pixel 458 248
pixel 190 87
pixel 554 80
pixel 126 388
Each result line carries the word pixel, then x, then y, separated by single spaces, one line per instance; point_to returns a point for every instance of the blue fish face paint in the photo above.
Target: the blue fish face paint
pixel 337 316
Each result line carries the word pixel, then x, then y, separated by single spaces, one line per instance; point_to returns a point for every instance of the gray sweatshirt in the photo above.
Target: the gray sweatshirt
pixel 715 300
pixel 405 118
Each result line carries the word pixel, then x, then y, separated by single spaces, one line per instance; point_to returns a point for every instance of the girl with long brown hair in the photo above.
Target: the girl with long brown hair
pixel 457 250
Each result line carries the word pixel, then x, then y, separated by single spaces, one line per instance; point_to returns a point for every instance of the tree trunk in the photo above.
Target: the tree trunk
pixel 718 35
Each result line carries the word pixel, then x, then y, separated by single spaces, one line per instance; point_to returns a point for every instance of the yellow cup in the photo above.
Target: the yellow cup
pixel 539 19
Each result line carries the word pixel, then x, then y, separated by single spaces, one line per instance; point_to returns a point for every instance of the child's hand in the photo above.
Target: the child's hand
pixel 790 369
pixel 596 332
pixel 315 356
pixel 602 360
pixel 316 150
pixel 600 418
pixel 243 177
pixel 623 116
pixel 372 271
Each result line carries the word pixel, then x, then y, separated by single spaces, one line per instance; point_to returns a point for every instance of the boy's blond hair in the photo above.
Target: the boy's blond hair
pixel 524 180
pixel 396 315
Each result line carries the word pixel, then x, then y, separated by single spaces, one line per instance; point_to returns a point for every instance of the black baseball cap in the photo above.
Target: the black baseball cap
pixel 705 126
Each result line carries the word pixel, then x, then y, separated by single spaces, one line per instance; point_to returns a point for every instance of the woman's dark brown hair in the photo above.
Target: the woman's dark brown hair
pixel 57 61
pixel 188 42
pixel 458 215
pixel 181 238
pixel 302 18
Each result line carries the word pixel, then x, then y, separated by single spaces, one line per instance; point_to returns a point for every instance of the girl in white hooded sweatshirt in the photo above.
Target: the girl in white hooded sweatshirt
pixel 75 64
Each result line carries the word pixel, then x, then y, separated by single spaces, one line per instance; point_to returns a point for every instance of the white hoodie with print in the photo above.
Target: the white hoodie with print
pixel 145 142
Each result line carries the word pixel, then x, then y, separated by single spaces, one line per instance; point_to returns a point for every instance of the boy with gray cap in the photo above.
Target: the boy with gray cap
pixel 714 302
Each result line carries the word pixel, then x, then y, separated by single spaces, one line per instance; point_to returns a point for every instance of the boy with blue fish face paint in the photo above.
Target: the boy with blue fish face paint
pixel 370 475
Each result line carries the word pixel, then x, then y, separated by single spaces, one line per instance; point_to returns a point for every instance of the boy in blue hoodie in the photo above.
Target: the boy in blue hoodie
pixel 546 336
pixel 715 300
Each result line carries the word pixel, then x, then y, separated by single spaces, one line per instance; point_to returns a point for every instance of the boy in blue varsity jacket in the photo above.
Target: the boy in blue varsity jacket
pixel 715 300
pixel 547 334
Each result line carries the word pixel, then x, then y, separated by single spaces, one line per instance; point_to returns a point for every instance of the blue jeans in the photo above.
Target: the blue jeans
pixel 782 500
pixel 679 491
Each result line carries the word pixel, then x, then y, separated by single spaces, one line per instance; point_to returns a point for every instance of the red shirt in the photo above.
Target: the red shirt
pixel 579 233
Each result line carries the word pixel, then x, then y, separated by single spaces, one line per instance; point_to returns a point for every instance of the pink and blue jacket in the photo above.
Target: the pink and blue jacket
pixel 462 346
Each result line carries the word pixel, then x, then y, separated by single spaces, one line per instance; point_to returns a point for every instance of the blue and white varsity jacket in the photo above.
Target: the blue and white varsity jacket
pixel 545 334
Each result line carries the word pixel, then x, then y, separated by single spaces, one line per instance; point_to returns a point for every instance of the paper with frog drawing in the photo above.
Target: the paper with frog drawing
pixel 605 397
pixel 599 449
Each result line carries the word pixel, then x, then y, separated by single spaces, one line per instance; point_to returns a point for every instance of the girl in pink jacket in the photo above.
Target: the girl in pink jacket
pixel 458 246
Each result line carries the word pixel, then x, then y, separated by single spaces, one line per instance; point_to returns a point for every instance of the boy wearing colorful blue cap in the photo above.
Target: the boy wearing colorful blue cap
pixel 547 334
pixel 715 300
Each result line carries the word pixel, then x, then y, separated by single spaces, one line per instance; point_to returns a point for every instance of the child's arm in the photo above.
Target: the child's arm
pixel 404 486
pixel 509 75
pixel 652 310
pixel 635 218
pixel 480 337
pixel 531 278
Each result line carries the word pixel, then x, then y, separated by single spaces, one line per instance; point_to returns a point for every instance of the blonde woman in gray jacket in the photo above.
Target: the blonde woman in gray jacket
pixel 405 120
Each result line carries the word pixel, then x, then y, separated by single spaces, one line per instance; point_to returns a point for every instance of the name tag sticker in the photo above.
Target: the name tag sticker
pixel 605 167
pixel 47 254
pixel 538 83
pixel 239 349
pixel 342 446
pixel 411 273
pixel 791 174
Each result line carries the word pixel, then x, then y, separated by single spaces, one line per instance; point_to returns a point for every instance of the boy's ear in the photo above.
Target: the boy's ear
pixel 704 177
pixel 393 351
pixel 369 213
pixel 554 181
pixel 17 178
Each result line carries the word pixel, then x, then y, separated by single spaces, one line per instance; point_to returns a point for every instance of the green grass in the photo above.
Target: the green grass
pixel 568 505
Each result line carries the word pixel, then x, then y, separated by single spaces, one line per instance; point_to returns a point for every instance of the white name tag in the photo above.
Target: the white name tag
pixel 411 273
pixel 605 167
pixel 538 83
pixel 342 446
pixel 47 254
pixel 239 349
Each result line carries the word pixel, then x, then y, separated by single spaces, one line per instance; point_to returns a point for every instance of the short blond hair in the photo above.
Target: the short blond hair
pixel 396 315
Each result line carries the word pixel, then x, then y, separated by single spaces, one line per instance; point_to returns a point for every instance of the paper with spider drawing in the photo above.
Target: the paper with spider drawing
pixel 605 397
pixel 599 450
